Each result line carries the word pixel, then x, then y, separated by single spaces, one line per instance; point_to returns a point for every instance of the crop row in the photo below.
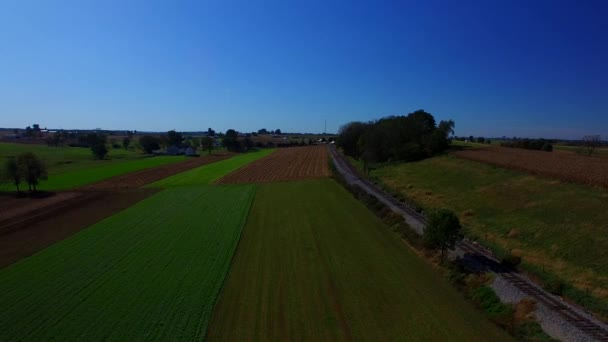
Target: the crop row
pixel 151 272
pixel 286 164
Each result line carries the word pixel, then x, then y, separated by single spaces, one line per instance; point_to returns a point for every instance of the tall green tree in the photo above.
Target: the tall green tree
pixel 443 230
pixel 126 141
pixel 174 138
pixel 30 168
pixel 12 172
pixel 207 143
pixel 149 143
pixel 230 140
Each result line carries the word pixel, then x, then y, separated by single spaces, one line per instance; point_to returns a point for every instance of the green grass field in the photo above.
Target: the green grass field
pixel 558 226
pixel 70 167
pixel 149 273
pixel 208 173
pixel 314 264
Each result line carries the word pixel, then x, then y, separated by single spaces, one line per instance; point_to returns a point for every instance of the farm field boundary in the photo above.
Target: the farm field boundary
pixel 30 233
pixel 293 163
pixel 314 264
pixel 152 271
pixel 208 173
pixel 561 165
pixel 557 228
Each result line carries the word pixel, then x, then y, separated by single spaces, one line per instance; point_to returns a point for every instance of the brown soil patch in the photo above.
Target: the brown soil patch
pixel 140 178
pixel 285 164
pixel 562 165
pixel 24 238
pixel 524 309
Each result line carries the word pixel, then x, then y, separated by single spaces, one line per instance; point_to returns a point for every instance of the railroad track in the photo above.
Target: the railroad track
pixel 568 312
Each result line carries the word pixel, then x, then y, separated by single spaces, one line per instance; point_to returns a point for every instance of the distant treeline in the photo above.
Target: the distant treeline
pixel 411 137
pixel 529 144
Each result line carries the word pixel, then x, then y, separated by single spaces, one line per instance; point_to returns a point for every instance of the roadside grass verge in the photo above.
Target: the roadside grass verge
pixel 151 272
pixel 211 172
pixel 557 228
pixel 314 264
pixel 71 167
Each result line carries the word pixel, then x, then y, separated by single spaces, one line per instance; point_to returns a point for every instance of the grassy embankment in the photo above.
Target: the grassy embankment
pixel 70 167
pixel 558 228
pixel 211 172
pixel 151 272
pixel 314 264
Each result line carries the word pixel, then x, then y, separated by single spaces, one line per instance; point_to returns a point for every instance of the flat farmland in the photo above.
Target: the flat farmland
pixel 561 165
pixel 314 264
pixel 554 226
pixel 286 164
pixel 71 167
pixel 151 272
pixel 209 173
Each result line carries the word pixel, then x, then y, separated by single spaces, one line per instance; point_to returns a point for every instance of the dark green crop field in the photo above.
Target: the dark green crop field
pixel 149 273
pixel 314 264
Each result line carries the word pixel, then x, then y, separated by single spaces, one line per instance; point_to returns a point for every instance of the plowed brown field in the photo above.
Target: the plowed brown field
pixel 285 164
pixel 562 165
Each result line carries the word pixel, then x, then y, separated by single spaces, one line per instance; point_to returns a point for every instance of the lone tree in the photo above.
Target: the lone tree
pixel 12 172
pixel 591 143
pixel 207 143
pixel 149 143
pixel 443 230
pixel 33 169
pixel 100 151
pixel 126 141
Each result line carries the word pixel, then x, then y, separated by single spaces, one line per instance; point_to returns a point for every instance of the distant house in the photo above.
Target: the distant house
pixel 189 151
pixel 173 150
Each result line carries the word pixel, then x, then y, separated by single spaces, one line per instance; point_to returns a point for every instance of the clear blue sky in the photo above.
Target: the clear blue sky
pixel 525 68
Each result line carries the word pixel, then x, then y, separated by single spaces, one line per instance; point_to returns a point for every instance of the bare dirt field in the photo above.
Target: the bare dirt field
pixel 562 165
pixel 285 164
pixel 147 176
pixel 29 233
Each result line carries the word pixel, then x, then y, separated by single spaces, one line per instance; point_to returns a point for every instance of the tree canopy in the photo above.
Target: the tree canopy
pixel 443 230
pixel 149 143
pixel 25 167
pixel 411 137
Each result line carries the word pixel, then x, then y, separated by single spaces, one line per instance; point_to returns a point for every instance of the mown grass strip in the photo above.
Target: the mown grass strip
pixel 314 264
pixel 151 272
pixel 209 173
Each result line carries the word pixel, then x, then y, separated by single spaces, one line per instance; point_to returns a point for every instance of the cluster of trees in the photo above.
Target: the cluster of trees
pixel 265 131
pixel 33 131
pixel 232 143
pixel 408 138
pixel 96 141
pixel 26 167
pixel 480 140
pixel 529 144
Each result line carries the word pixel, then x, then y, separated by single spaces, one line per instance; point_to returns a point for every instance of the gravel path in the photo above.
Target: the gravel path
pixel 560 320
